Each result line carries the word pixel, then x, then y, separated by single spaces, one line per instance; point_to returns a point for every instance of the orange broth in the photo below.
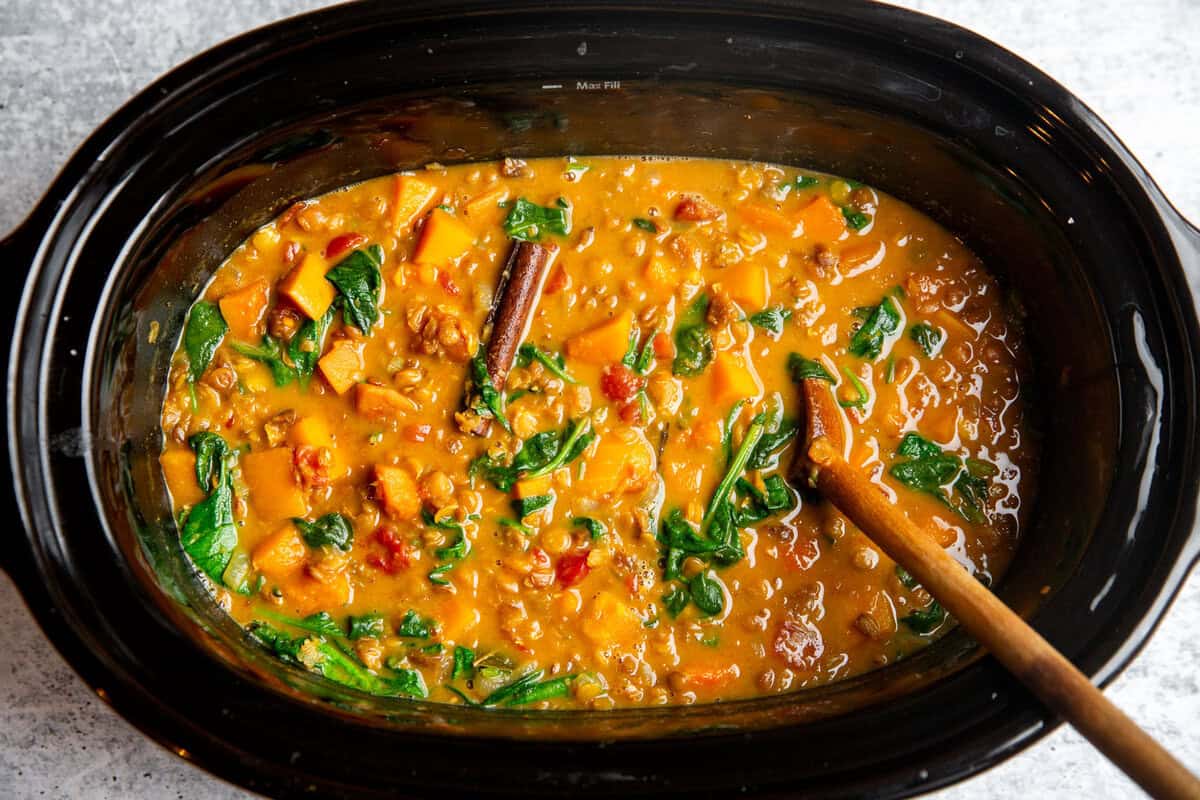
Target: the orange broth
pixel 710 275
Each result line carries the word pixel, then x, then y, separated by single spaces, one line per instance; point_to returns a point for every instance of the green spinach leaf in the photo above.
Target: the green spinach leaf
pixel 359 280
pixel 203 334
pixel 594 527
pixel 771 319
pixel 801 368
pixel 528 353
pixel 306 346
pixel 883 321
pixel 414 627
pixel 693 343
pixel 529 222
pixel 270 353
pixel 676 600
pixel 489 401
pixel 464 663
pixel 927 337
pixel 367 626
pixel 334 530
pixel 209 534
pixel 707 594
pixel 926 621
pixel 930 470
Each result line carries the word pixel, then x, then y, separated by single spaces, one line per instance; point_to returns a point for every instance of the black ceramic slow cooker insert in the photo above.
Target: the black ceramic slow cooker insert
pixel 969 134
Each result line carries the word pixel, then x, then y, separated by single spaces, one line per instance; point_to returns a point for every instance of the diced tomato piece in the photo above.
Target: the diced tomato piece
pixel 397 553
pixel 417 433
pixel 620 383
pixel 389 537
pixel 291 253
pixel 541 559
pixel 312 464
pixel 693 208
pixel 572 568
pixel 630 413
pixel 383 561
pixel 804 553
pixel 448 283
pixel 343 244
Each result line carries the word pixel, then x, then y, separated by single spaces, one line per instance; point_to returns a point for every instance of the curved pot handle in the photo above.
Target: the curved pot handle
pixel 1187 244
pixel 16 557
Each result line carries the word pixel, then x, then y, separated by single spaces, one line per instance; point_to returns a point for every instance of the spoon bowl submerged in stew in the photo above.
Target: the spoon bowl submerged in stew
pixel 518 433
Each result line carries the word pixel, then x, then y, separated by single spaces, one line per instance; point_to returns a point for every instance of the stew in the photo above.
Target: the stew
pixel 518 433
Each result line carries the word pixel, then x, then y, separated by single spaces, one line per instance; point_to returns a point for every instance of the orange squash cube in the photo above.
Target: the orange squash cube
pixel 410 198
pixel 769 219
pixel 281 553
pixel 608 619
pixel 379 402
pixel 532 487
pixel 747 284
pixel 243 310
pixel 305 595
pixel 306 286
pixel 733 379
pixel 343 365
pixel 823 221
pixel 603 344
pixel 485 207
pixel 274 491
pixel 443 241
pixel 661 272
pixel 179 470
pixel 622 463
pixel 397 492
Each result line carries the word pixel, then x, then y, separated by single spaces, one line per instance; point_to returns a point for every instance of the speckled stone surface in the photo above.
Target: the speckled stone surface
pixel 66 64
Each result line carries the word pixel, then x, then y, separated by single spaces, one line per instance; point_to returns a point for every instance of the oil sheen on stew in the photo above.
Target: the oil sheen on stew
pixel 518 433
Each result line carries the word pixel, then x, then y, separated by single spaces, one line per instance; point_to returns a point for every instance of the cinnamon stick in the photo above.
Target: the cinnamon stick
pixel 506 326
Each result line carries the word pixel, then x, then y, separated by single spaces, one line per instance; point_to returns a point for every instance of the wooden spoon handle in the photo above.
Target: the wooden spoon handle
pixel 1029 657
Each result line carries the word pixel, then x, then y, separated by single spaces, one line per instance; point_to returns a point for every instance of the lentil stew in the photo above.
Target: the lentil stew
pixel 518 433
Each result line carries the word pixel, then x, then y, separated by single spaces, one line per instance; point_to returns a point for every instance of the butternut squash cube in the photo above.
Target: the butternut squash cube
pixel 274 491
pixel 823 221
pixel 305 595
pixel 280 554
pixel 179 470
pixel 623 462
pixel 443 241
pixel 733 379
pixel 485 207
pixel 343 365
pixel 411 197
pixel 603 344
pixel 306 286
pixel 769 219
pixel 243 310
pixel 455 617
pixel 532 487
pixel 661 272
pixel 379 403
pixel 609 620
pixel 397 492
pixel 747 283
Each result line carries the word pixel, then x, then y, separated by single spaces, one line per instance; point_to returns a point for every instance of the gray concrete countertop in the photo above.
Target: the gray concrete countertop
pixel 66 64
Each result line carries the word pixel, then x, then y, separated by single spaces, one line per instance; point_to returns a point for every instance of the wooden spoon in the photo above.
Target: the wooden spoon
pixel 821 463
